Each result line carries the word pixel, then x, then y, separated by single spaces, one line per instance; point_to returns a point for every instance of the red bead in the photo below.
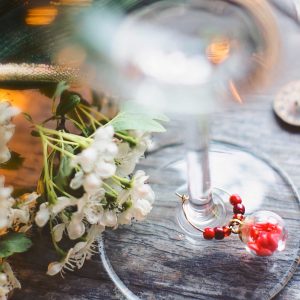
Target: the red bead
pixel 239 208
pixel 227 231
pixel 238 216
pixel 219 233
pixel 208 233
pixel 235 199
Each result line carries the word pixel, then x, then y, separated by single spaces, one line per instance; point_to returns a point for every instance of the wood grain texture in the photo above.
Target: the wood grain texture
pixel 252 125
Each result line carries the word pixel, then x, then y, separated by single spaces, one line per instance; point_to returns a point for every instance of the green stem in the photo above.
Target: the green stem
pixel 124 182
pixel 82 141
pixel 63 192
pixel 88 115
pixel 71 155
pixel 79 117
pixel 61 141
pixel 131 140
pixel 110 188
pixel 77 124
pixel 47 179
pixel 102 116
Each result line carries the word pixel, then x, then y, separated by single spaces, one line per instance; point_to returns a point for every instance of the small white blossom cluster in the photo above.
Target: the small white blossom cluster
pixel 14 214
pixel 77 255
pixel 96 162
pixel 7 129
pixel 141 198
pixel 101 170
pixel 128 157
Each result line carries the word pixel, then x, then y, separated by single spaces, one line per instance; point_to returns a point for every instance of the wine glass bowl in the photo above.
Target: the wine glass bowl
pixel 188 49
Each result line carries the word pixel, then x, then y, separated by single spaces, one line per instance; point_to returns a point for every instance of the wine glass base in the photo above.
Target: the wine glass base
pixel 158 259
pixel 215 213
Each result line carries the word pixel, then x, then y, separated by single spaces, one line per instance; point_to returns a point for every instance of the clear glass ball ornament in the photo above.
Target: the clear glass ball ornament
pixel 263 233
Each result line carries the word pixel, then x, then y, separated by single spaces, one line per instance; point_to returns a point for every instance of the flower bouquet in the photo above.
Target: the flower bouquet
pixel 88 182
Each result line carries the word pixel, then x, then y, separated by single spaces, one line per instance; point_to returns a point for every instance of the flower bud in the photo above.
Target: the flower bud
pixel 43 215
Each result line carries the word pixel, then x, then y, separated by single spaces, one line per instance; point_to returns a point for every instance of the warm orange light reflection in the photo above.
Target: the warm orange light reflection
pixel 218 51
pixel 41 15
pixel 73 2
pixel 235 92
pixel 17 98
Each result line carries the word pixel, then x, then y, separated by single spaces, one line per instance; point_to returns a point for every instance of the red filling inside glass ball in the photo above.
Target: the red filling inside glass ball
pixel 264 238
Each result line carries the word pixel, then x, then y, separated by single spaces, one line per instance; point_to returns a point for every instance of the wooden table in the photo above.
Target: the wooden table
pixel 252 124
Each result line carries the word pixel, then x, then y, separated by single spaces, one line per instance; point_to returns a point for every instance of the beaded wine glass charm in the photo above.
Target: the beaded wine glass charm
pixel 263 232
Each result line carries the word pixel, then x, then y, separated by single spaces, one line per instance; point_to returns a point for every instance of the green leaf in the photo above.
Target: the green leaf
pixel 135 108
pixel 15 162
pixel 64 170
pixel 129 121
pixel 135 117
pixel 67 103
pixel 14 243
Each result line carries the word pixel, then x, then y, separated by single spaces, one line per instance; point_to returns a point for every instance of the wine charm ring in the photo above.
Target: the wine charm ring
pixel 263 232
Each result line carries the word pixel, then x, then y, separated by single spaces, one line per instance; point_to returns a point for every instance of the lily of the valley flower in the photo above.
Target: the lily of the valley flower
pixel 7 112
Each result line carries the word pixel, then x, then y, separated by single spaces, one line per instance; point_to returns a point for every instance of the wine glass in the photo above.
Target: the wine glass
pixel 186 58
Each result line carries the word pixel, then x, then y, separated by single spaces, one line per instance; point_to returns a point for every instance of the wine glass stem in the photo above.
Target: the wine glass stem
pixel 197 159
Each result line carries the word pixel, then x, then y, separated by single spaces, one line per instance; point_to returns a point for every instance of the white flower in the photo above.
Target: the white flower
pixel 19 216
pixel 77 255
pixel 96 162
pixel 108 218
pixel 6 203
pixel 43 215
pixel 76 228
pixel 128 157
pixel 106 169
pixel 8 281
pixel 46 210
pixel 59 266
pixel 85 250
pixel 58 231
pixel 87 159
pixel 92 183
pixel 77 181
pixel 141 198
pixel 92 207
pixel 7 112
